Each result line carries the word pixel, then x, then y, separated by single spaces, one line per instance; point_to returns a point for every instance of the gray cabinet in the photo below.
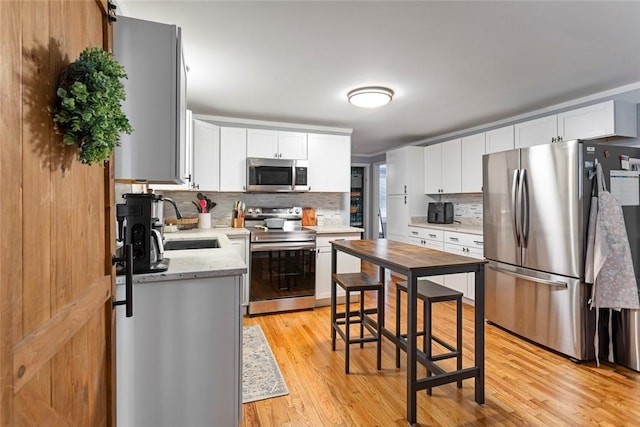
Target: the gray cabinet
pixel 151 53
pixel 179 357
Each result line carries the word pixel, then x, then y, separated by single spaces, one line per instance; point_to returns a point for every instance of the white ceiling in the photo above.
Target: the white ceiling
pixel 452 64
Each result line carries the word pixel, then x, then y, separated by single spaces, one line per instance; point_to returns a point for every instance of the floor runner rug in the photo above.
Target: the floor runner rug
pixel 261 376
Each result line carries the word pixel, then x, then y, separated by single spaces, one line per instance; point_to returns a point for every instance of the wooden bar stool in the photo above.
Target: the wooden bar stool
pixel 341 322
pixel 430 292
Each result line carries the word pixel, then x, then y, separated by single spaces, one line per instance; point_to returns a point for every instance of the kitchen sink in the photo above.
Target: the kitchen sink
pixel 191 244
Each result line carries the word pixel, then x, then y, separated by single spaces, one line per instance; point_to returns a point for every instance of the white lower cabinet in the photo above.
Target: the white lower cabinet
pixel 428 238
pixel 470 245
pixel 346 264
pixel 241 243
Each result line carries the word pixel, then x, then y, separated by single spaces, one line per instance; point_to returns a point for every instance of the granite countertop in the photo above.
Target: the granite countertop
pixel 458 227
pixel 197 263
pixel 205 233
pixel 199 233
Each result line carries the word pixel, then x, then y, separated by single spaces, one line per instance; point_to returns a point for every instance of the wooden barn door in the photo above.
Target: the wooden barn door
pixel 56 320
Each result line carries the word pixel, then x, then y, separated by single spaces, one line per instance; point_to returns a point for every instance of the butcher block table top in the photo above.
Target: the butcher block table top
pixel 401 257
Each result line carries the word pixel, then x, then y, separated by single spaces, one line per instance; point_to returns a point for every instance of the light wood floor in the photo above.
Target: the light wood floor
pixel 525 385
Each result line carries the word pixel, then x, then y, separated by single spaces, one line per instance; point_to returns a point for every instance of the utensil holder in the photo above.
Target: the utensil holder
pixel 237 222
pixel 204 220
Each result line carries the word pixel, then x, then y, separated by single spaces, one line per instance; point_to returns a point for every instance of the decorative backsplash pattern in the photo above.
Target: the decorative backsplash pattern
pixel 331 208
pixel 467 208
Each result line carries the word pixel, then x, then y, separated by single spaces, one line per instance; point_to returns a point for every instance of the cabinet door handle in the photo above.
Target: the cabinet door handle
pixel 453 239
pixel 414 232
pixel 478 243
pixel 405 189
pixel 432 235
pixel 128 266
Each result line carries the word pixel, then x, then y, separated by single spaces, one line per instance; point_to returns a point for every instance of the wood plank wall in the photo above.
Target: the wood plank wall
pixel 55 241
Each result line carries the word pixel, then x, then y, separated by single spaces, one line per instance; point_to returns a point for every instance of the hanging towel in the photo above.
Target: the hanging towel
pixel 615 284
pixel 591 232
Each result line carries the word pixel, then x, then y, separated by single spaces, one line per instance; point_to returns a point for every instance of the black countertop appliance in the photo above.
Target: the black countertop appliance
pixel 140 224
pixel 440 213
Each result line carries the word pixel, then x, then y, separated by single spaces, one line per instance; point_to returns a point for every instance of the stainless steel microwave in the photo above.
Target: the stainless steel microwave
pixel 277 175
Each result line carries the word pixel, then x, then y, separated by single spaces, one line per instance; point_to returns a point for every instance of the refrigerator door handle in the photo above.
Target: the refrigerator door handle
pixel 524 203
pixel 530 278
pixel 515 204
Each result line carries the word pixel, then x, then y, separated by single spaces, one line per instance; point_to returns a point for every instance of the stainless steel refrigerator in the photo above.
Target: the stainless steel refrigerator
pixel 536 209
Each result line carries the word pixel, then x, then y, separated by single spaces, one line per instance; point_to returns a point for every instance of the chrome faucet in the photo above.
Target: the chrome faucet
pixel 178 215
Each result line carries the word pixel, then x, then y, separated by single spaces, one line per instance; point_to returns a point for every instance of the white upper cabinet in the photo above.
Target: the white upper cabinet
pixel 499 140
pixel 433 169
pixel 233 159
pixel 442 168
pixel 610 118
pixel 206 156
pixel 156 107
pixel 397 172
pixel 292 145
pixel 472 150
pixel 606 119
pixel 272 144
pixel 262 143
pixel 451 173
pixel 536 132
pixel 329 163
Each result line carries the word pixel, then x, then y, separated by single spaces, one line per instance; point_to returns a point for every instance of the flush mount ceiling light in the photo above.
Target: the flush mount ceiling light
pixel 370 97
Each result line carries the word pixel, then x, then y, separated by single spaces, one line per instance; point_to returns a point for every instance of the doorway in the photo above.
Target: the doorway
pixel 380 199
pixel 359 209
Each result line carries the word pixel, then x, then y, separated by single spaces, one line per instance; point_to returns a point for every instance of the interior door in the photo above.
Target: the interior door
pixel 56 318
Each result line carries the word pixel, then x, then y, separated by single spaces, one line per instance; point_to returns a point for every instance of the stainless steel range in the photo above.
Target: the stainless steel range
pixel 283 260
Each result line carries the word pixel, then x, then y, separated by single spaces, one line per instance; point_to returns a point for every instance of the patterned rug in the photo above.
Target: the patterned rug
pixel 261 376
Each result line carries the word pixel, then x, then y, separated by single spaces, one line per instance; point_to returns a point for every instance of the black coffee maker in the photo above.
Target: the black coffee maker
pixel 140 223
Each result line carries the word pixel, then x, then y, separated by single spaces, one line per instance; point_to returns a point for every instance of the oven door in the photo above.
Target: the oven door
pixel 283 276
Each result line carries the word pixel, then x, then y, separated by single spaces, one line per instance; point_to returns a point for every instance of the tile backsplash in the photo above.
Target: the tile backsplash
pixel 467 208
pixel 331 208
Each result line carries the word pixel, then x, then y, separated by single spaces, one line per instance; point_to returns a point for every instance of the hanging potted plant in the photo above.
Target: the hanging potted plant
pixel 88 112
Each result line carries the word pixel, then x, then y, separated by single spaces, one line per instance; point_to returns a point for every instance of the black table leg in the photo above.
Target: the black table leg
pixel 412 324
pixel 479 334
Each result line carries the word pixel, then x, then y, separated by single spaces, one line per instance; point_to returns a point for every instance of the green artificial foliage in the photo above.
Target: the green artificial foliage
pixel 88 111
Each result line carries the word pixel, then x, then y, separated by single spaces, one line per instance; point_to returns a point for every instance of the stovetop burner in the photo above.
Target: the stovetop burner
pixel 260 213
pixel 292 231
